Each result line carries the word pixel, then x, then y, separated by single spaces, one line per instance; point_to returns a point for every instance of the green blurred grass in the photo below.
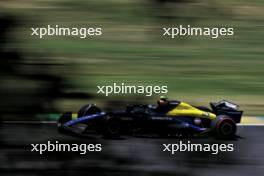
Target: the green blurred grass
pixel 131 50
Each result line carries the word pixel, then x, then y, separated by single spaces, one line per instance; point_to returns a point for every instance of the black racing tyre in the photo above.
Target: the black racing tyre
pixel 111 127
pixel 225 127
pixel 88 110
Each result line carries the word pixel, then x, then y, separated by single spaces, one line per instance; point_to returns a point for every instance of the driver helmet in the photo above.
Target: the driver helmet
pixel 162 101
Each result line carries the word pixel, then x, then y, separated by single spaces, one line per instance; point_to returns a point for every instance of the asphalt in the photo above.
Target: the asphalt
pixel 129 156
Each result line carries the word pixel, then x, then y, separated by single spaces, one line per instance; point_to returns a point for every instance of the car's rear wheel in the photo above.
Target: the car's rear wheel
pixel 225 127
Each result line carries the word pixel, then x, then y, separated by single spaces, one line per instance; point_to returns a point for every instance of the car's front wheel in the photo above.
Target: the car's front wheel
pixel 111 127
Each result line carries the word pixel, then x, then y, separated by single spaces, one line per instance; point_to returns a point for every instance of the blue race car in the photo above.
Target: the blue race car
pixel 168 118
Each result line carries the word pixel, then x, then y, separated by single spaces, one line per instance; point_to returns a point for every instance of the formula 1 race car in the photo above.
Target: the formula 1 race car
pixel 168 118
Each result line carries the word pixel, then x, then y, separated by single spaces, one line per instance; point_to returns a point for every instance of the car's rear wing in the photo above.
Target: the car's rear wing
pixel 227 108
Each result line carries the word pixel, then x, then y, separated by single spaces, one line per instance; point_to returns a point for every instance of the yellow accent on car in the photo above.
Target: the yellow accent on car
pixel 184 109
pixel 74 116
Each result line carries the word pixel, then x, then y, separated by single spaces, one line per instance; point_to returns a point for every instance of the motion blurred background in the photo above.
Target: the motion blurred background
pixel 39 77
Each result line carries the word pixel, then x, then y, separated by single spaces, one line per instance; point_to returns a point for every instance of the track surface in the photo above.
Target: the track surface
pixel 126 157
